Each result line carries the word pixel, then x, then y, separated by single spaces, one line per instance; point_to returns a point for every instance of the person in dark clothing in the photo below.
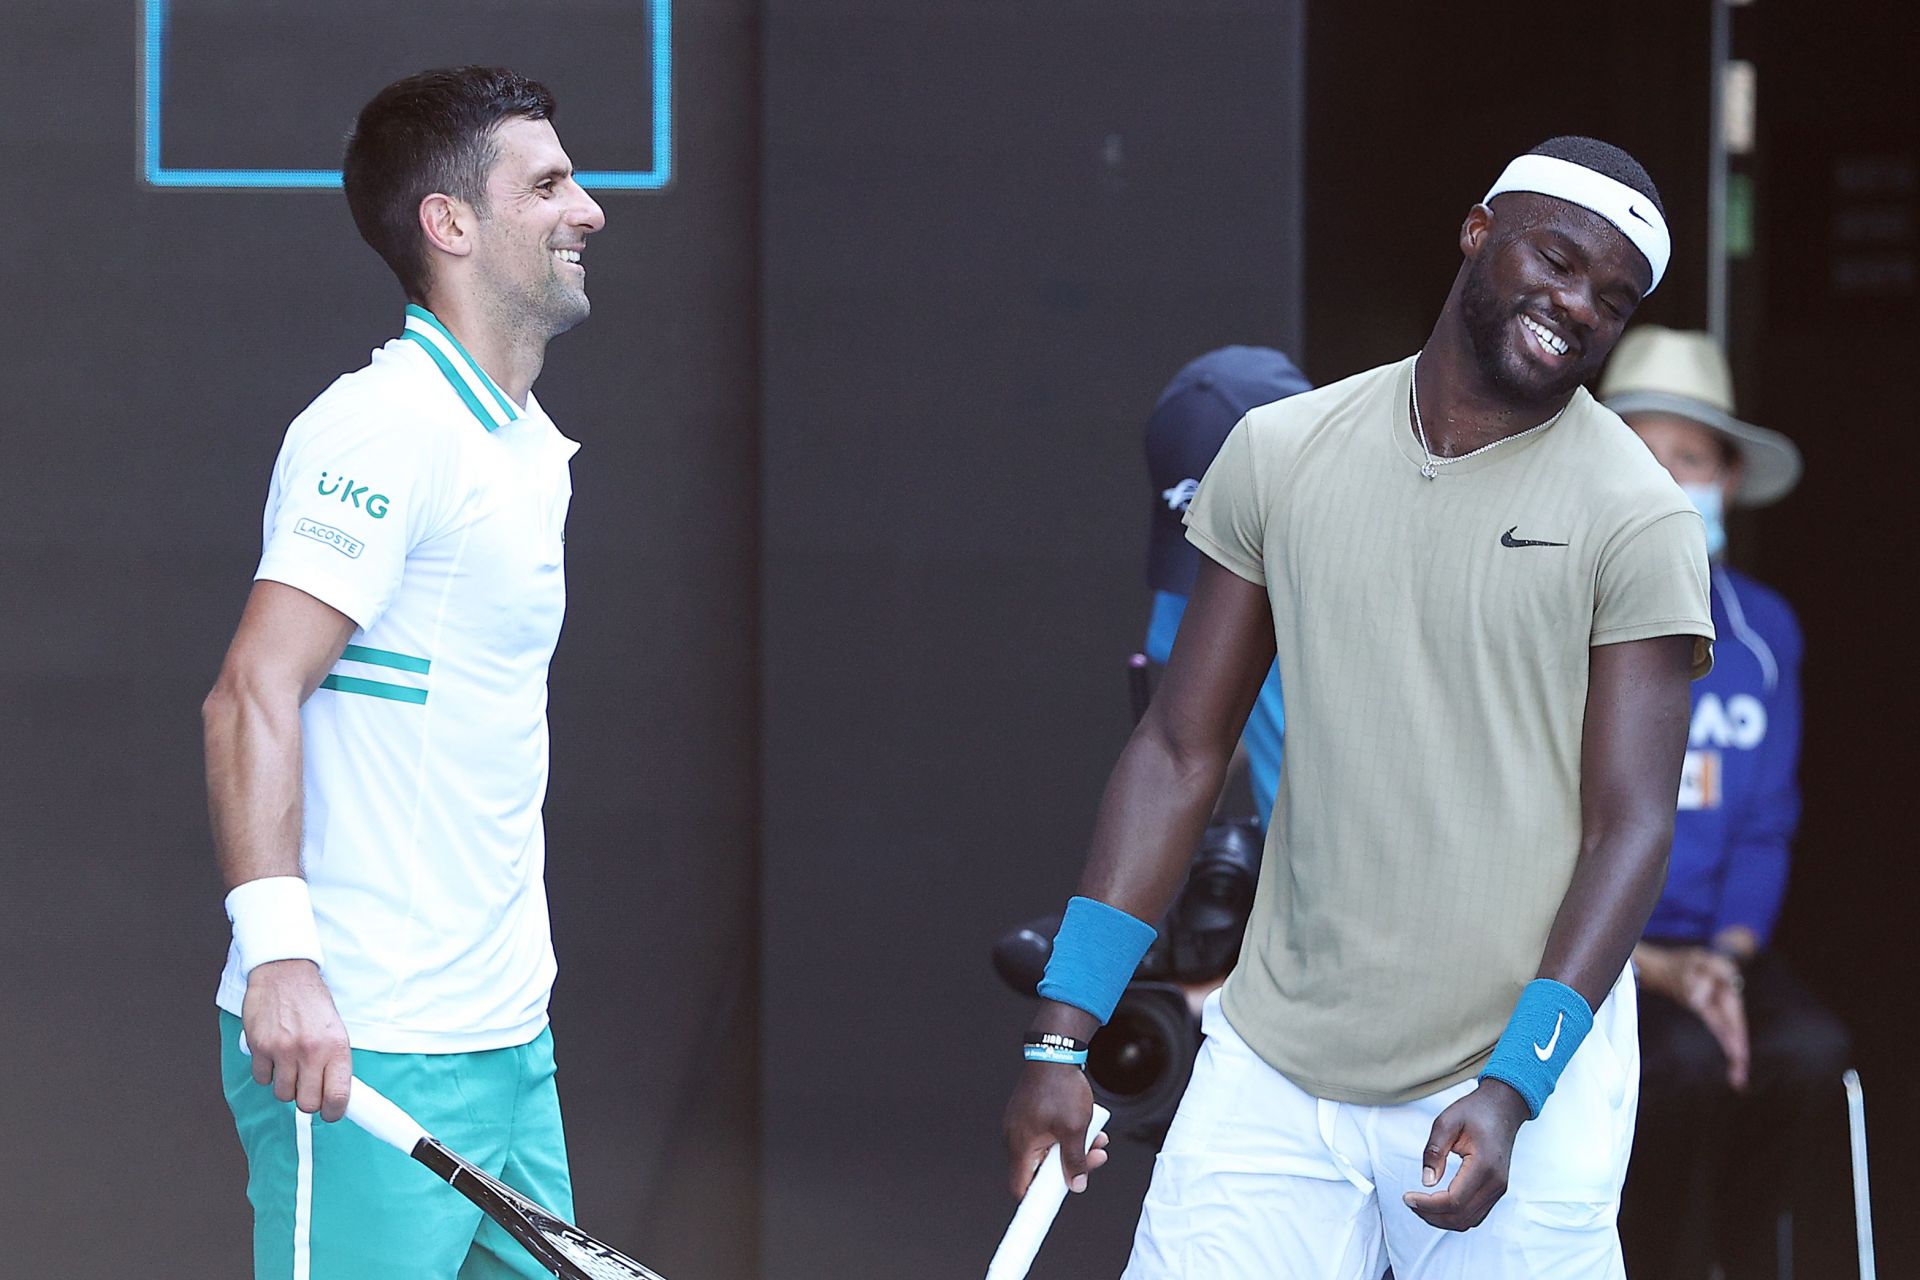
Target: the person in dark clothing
pixel 1739 1155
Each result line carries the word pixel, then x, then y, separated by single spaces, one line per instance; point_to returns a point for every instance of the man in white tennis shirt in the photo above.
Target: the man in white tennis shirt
pixel 377 740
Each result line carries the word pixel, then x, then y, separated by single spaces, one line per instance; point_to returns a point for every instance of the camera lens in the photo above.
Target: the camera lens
pixel 1131 1054
pixel 1139 1063
pixel 1217 896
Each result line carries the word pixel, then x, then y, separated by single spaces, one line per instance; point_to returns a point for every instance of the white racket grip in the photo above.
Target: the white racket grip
pixel 383 1118
pixel 378 1114
pixel 1038 1208
pixel 1862 1197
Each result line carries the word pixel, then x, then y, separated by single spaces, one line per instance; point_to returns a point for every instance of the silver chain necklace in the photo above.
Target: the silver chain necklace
pixel 1430 468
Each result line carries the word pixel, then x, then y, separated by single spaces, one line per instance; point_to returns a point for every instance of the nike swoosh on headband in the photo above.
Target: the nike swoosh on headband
pixel 1622 205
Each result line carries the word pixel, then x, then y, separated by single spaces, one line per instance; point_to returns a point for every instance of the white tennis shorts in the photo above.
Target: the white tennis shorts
pixel 1259 1180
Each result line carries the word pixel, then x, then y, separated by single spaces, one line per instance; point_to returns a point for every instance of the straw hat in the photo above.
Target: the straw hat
pixel 1682 372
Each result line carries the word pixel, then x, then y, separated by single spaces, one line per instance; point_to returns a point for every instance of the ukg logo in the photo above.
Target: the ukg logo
pixel 375 504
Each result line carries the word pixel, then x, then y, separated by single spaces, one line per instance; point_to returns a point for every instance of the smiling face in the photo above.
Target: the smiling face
pixel 1549 287
pixel 531 235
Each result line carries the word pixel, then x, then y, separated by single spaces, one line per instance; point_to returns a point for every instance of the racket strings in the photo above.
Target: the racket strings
pixel 589 1256
pixel 597 1260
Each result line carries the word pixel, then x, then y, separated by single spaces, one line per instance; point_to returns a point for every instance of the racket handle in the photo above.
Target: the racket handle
pixel 378 1114
pixel 383 1118
pixel 1038 1207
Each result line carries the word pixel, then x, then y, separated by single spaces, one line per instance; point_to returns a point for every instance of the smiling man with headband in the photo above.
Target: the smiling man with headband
pixel 1636 214
pixel 1488 601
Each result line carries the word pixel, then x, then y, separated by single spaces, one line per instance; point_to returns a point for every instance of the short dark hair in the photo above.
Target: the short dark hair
pixel 1602 157
pixel 431 132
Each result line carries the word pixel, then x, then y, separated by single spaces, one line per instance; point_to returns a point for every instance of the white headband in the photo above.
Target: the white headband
pixel 1615 201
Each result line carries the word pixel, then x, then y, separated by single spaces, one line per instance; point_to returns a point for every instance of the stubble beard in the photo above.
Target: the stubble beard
pixel 564 305
pixel 542 308
pixel 1490 333
pixel 552 306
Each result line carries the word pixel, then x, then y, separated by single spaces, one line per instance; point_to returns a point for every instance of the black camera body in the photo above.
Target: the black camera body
pixel 1140 1061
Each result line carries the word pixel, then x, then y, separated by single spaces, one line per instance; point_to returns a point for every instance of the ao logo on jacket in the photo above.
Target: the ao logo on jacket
pixel 1740 722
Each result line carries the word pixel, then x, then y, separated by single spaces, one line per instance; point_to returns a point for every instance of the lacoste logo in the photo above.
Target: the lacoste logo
pixel 1508 540
pixel 349 492
pixel 345 543
pixel 1181 495
pixel 1543 1052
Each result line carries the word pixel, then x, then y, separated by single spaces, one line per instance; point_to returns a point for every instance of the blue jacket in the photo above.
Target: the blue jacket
pixel 1739 792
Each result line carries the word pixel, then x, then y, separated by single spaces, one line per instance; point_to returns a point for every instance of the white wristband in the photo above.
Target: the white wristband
pixel 273 920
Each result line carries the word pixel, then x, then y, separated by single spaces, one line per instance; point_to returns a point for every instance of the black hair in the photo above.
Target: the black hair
pixel 1605 158
pixel 431 132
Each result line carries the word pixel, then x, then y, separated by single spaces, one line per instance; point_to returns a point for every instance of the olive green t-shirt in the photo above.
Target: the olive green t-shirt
pixel 1434 638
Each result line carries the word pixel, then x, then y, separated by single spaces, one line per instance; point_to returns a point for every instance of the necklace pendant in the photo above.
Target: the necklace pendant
pixel 1427 470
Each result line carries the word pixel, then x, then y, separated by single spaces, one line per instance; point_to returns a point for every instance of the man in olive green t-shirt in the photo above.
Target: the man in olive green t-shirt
pixel 1487 600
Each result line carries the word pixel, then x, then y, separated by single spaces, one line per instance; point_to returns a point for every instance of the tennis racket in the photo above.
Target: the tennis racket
pixel 1038 1208
pixel 560 1247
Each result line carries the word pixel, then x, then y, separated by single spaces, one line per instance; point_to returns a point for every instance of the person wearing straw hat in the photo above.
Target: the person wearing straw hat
pixel 1740 1098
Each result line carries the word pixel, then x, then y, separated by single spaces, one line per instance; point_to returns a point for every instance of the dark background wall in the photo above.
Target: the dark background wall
pixel 1406 124
pixel 1835 315
pixel 856 539
pixel 964 333
pixel 991 233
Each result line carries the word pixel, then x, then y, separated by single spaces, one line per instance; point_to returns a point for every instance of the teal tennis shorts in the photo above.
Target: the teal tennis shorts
pixel 332 1203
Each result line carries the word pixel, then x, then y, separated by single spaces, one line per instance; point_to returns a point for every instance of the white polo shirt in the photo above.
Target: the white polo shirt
pixel 416 498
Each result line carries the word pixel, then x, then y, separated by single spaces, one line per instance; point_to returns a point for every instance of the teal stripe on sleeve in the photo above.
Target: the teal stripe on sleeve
pixel 386 658
pixel 374 689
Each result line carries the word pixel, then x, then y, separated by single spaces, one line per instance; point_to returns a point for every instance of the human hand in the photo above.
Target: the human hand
pixel 1737 941
pixel 1480 1127
pixel 298 1043
pixel 1711 985
pixel 1053 1103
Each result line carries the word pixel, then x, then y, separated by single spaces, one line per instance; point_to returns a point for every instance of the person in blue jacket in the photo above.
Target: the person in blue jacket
pixel 1739 1154
pixel 1189 422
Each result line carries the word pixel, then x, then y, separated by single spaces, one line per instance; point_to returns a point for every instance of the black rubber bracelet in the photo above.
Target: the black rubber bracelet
pixel 1052 1040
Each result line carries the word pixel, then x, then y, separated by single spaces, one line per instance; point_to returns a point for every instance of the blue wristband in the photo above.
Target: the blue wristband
pixel 1546 1027
pixel 1094 956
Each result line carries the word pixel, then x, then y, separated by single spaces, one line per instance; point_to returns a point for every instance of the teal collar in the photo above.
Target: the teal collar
pixel 463 373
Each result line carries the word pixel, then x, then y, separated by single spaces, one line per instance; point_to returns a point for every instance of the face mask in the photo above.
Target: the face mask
pixel 1707 501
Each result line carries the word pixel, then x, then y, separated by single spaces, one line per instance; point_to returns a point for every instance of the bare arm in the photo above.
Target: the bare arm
pixel 1634 739
pixel 1163 788
pixel 1155 807
pixel 285 644
pixel 1638 699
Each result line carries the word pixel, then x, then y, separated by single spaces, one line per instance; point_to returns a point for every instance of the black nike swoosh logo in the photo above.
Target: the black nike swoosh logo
pixel 1508 540
pixel 1634 209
